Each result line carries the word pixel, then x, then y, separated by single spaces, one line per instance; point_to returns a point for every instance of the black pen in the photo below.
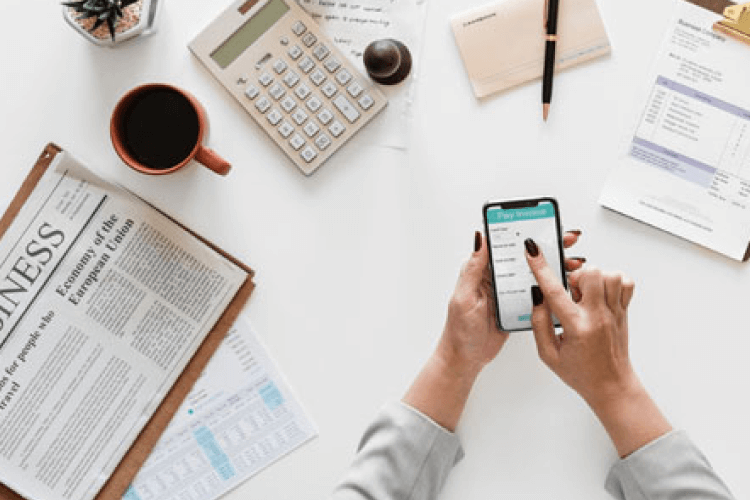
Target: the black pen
pixel 549 54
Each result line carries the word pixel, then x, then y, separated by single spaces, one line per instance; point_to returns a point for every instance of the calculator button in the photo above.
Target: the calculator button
pixel 325 116
pixel 251 92
pixel 323 141
pixel 298 28
pixel 332 64
pixel 302 91
pixel 277 91
pixel 347 108
pixel 343 77
pixel 296 142
pixel 320 52
pixel 279 66
pixel 285 129
pixel 336 128
pixel 265 79
pixel 317 77
pixel 295 52
pixel 354 89
pixel 274 116
pixel 291 79
pixel 314 104
pixel 366 102
pixel 329 89
pixel 284 40
pixel 309 40
pixel 288 104
pixel 299 116
pixel 308 154
pixel 306 64
pixel 311 128
pixel 263 104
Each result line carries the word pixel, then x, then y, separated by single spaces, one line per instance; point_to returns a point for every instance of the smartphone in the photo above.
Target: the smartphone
pixel 507 225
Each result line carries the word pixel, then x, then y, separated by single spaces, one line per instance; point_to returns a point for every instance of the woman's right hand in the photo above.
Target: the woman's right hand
pixel 591 355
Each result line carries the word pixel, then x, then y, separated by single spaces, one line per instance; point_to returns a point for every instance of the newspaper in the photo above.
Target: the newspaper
pixel 103 301
pixel 240 417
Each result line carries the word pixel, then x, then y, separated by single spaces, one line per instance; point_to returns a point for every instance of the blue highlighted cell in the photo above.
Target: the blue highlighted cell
pixel 525 317
pixel 130 494
pixel 271 396
pixel 219 460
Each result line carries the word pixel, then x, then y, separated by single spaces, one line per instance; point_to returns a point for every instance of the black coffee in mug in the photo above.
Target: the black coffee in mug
pixel 160 128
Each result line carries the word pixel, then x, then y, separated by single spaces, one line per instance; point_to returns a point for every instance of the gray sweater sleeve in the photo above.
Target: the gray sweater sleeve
pixel 403 455
pixel 669 468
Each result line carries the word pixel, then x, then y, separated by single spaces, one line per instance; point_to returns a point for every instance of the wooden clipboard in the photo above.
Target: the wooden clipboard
pixel 717 6
pixel 124 473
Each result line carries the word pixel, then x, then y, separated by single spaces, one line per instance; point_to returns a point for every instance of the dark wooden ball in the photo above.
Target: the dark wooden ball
pixel 387 61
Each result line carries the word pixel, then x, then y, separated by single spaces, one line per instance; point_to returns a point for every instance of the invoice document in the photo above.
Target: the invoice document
pixel 687 166
pixel 240 417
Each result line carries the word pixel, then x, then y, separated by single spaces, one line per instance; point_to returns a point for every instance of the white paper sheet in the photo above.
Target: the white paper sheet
pixel 687 169
pixel 353 25
pixel 240 417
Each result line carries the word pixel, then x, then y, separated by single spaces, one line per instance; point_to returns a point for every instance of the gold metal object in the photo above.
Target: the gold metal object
pixel 736 23
pixel 551 38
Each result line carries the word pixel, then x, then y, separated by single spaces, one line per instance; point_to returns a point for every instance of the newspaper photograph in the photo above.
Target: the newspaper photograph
pixel 103 302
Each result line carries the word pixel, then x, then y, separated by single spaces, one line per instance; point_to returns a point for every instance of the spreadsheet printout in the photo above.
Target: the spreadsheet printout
pixel 240 417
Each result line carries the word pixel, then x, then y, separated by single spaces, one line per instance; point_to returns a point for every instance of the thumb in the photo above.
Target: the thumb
pixel 473 272
pixel 547 342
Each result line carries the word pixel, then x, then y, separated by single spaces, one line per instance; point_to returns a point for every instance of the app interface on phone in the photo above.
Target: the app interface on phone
pixel 513 279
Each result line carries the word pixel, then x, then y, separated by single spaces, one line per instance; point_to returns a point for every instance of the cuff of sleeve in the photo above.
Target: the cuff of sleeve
pixel 446 442
pixel 625 476
pixel 668 467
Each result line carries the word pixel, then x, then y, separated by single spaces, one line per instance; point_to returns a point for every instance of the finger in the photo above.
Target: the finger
pixel 576 294
pixel 473 272
pixel 628 287
pixel 570 238
pixel 554 293
pixel 544 331
pixel 591 284
pixel 574 263
pixel 613 291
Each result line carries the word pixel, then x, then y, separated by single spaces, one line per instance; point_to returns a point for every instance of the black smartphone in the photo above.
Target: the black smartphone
pixel 507 225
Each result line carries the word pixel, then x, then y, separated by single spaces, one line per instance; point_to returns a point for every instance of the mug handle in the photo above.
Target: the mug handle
pixel 210 159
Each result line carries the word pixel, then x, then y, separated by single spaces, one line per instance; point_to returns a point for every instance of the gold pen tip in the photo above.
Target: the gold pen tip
pixel 545 111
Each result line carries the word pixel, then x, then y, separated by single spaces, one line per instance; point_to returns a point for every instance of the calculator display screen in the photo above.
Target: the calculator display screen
pixel 249 32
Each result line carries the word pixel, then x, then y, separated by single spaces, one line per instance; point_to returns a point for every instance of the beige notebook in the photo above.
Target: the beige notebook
pixel 502 44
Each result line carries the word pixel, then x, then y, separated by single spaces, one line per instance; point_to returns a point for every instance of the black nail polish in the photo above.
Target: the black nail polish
pixel 477 241
pixel 537 297
pixel 531 247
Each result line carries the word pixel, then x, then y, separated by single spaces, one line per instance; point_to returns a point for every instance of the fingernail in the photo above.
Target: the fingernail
pixel 531 247
pixel 477 241
pixel 582 260
pixel 577 232
pixel 537 297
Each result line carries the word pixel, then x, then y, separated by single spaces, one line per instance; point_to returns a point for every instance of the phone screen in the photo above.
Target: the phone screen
pixel 508 225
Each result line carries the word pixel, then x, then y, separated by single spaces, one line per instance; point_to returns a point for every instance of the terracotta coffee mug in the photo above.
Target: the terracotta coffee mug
pixel 157 129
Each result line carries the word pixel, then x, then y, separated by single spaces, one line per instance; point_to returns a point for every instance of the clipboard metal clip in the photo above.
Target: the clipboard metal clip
pixel 736 23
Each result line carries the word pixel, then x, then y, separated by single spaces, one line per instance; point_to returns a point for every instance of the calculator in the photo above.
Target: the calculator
pixel 275 60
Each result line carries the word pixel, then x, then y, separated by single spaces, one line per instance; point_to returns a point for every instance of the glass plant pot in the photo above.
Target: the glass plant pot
pixel 138 20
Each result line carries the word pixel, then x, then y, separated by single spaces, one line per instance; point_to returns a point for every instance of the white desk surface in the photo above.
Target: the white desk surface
pixel 356 264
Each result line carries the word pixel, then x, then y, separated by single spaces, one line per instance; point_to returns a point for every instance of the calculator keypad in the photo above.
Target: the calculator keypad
pixel 308 96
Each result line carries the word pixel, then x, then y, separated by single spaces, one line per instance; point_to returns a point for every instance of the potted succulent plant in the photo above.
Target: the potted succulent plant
pixel 109 22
